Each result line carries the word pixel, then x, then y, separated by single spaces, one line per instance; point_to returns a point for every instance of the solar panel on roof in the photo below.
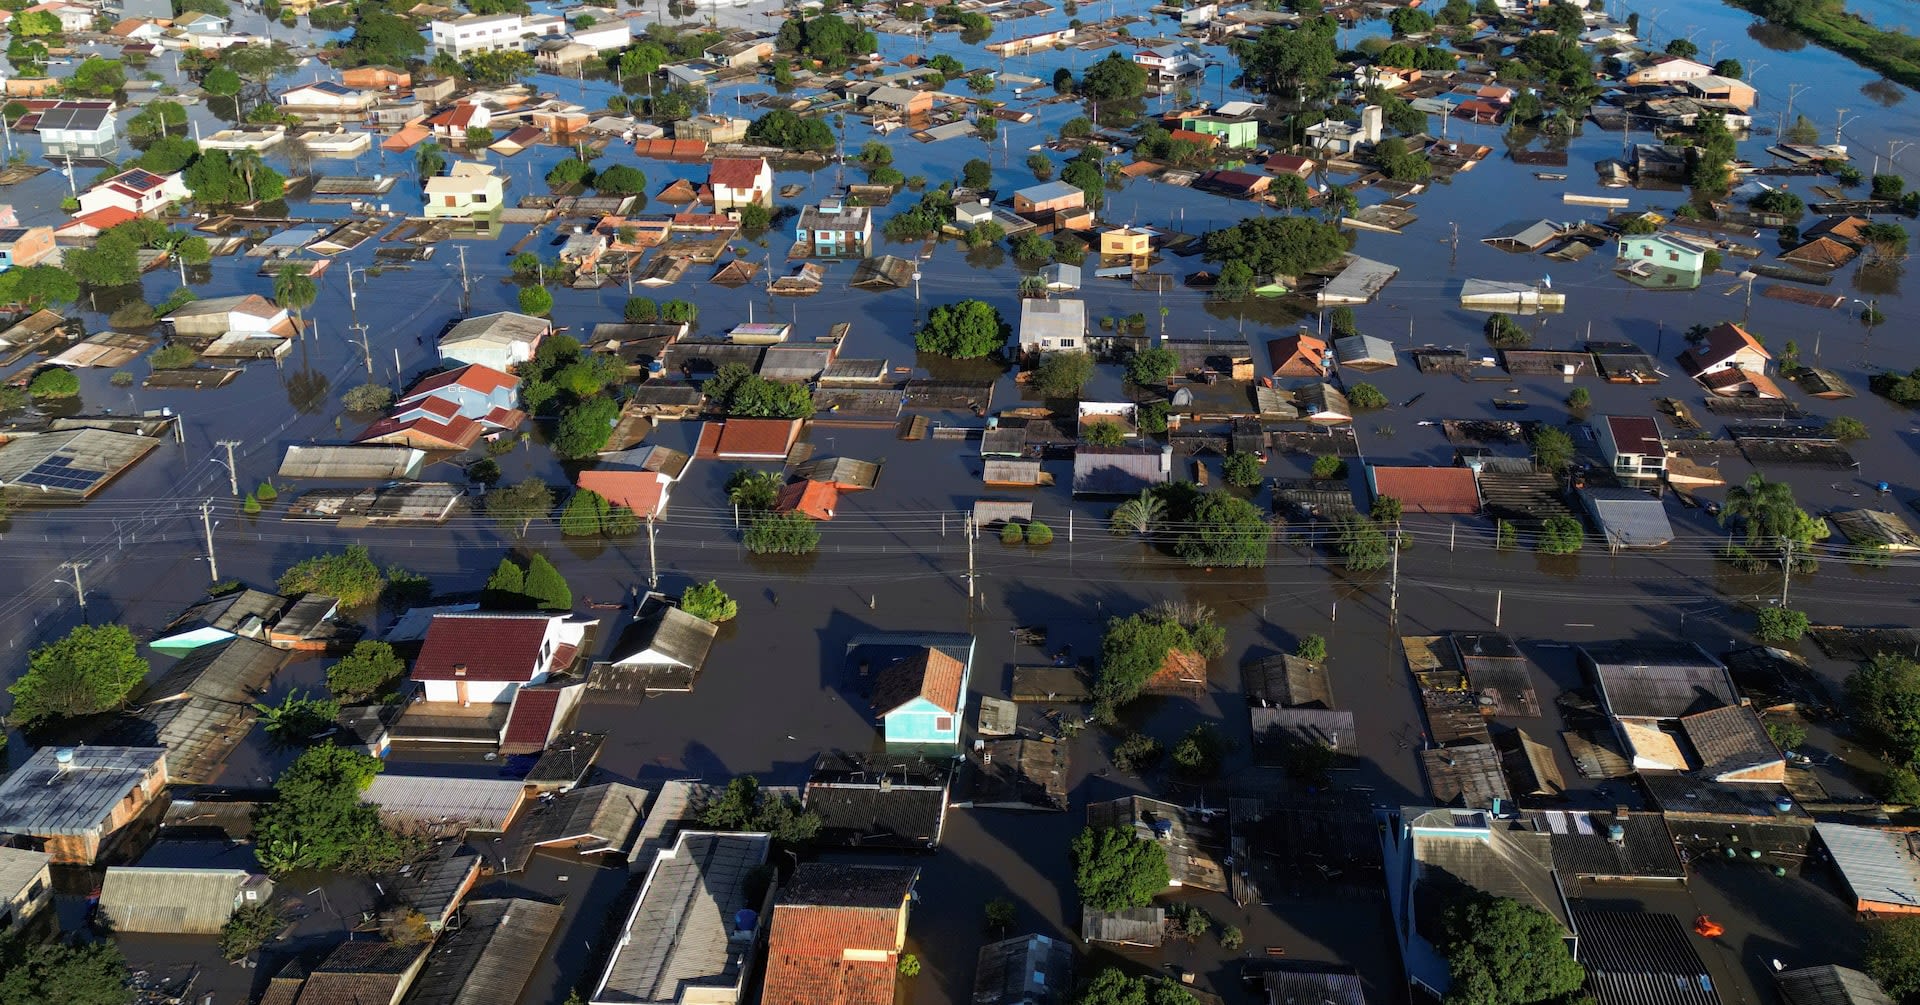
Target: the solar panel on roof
pixel 58 472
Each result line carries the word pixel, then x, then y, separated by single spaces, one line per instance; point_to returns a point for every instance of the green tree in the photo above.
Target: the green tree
pixel 54 382
pixel 380 37
pixel 1113 986
pixel 507 587
pixel 976 174
pixel 1152 366
pixel 1892 955
pixel 1552 448
pixel 968 329
pixel 1224 530
pixel 429 160
pixel 781 534
pixel 503 67
pixel 1773 522
pixel 1885 698
pixel 1362 545
pixel 1114 78
pixel 298 718
pixel 547 588
pixel 535 300
pixel 1277 245
pixel 708 602
pixel 1242 469
pixel 349 576
pixel 753 490
pixel 249 928
pixel 1113 870
pixel 34 24
pixel 1041 165
pixel 1846 428
pixel 1103 434
pixel 640 310
pixel 318 821
pixel 63 973
pixel 787 129
pixel 1505 333
pixel 1328 466
pixel 1311 648
pixel 91 670
pixel 518 505
pixel 1366 397
pixel 294 289
pixel 585 514
pixel 1775 625
pixel 1502 952
pixel 369 669
pixel 1063 374
pixel 1131 651
pixel 1579 398
pixel 98 77
pixel 585 428
pixel 742 806
pixel 1287 62
pixel 1561 535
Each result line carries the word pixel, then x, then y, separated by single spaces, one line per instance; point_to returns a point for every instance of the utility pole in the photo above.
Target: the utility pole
pixel 206 521
pixel 1393 591
pixel 972 532
pixel 1786 571
pixel 233 473
pixel 365 349
pixel 462 249
pixel 653 559
pixel 79 593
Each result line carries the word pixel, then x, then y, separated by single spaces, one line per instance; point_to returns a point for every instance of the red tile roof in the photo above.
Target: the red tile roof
pixel 491 647
pixel 1292 164
pixel 1721 343
pixel 815 499
pixel 929 674
pixel 805 950
pixel 643 492
pixel 1635 434
pixel 531 721
pixel 756 437
pixel 1298 356
pixel 1429 490
pixel 425 433
pixel 107 217
pixel 736 173
pixel 473 376
pixel 1181 672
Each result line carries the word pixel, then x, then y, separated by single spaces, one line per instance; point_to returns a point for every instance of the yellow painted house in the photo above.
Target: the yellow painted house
pixel 467 190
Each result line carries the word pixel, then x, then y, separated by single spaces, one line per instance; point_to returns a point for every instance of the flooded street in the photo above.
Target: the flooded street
pixel 775 693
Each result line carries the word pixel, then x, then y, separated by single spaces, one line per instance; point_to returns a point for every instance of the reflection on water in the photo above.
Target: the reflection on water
pixel 1654 277
pixel 1879 278
pixel 1775 37
pixel 307 390
pixel 1882 93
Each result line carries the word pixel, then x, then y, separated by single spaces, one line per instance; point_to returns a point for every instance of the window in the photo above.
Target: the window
pixel 34 892
pixel 1673 256
pixel 943 723
pixel 1068 343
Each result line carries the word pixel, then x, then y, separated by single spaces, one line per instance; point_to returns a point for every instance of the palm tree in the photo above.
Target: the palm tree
pixel 294 290
pixel 1761 506
pixel 1139 516
pixel 247 162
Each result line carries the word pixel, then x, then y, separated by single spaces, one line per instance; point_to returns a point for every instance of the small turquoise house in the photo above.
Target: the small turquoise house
pixel 922 698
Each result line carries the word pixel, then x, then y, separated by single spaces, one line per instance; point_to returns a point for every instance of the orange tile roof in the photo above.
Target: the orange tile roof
pixel 643 492
pixel 767 438
pixel 929 674
pixel 1429 490
pixel 1298 356
pixel 1183 670
pixel 484 379
pixel 456 433
pixel 815 499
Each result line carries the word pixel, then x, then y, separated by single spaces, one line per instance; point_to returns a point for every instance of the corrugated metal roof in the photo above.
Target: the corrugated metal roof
pixel 1880 866
pixel 177 901
pixel 490 956
pixel 1636 958
pixel 1830 985
pixel 1629 518
pixel 45 798
pixel 1658 680
pixel 18 869
pixel 1029 970
pixel 681 932
pixel 352 462
pixel 480 803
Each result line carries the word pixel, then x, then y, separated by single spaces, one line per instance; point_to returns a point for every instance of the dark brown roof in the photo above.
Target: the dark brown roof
pixel 928 674
pixel 481 647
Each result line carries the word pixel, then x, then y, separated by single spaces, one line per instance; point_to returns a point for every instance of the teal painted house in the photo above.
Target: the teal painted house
pixel 922 698
pixel 1232 132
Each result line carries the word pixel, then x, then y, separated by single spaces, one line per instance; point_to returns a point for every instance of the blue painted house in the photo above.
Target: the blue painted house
pixel 922 697
pixel 834 229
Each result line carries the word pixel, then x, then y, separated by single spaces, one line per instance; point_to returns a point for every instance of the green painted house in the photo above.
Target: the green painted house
pixel 1231 132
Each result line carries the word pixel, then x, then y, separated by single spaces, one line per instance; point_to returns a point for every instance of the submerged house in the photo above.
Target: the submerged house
pixel 477 657
pixel 79 804
pixel 922 698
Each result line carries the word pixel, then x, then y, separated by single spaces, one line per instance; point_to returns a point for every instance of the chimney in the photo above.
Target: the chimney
pixel 63 759
pixel 1166 459
pixel 459 669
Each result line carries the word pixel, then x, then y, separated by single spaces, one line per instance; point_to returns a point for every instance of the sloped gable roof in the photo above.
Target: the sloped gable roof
pixel 928 674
